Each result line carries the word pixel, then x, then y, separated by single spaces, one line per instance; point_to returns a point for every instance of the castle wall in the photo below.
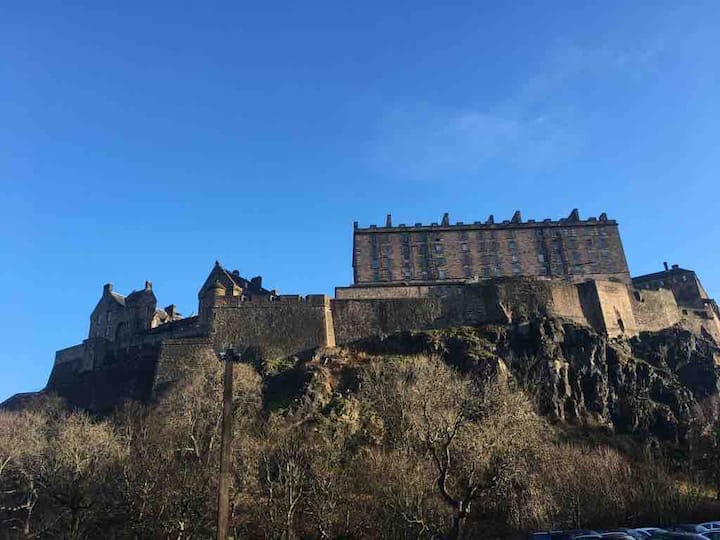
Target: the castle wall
pixel 177 357
pixel 607 307
pixel 118 375
pixel 274 328
pixel 70 356
pixel 655 310
pixel 360 312
pixel 566 302
pixel 701 322
pixel 362 318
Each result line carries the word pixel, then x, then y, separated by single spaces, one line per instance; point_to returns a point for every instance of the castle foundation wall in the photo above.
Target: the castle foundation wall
pixel 273 329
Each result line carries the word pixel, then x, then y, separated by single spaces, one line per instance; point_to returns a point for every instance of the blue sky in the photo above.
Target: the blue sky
pixel 145 140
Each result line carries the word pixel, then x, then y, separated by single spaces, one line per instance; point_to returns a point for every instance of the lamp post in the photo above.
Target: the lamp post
pixel 229 357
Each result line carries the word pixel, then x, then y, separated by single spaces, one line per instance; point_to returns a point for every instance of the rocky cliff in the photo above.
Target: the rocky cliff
pixel 657 386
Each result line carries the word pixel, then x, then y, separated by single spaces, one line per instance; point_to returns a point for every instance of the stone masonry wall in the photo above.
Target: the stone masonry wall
pixel 274 329
pixel 655 310
pixel 120 374
pixel 445 306
pixel 179 356
pixel 607 307
pixel 570 249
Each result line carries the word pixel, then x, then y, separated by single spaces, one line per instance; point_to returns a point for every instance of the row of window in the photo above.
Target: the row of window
pixel 426 258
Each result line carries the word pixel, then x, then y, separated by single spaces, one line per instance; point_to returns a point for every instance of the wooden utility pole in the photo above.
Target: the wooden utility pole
pixel 229 357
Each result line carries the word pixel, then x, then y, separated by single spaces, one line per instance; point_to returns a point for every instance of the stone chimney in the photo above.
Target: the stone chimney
pixel 148 285
pixel 665 264
pixel 107 288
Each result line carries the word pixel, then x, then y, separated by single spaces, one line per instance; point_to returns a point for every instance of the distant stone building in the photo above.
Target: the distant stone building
pixel 689 293
pixel 117 317
pixel 570 249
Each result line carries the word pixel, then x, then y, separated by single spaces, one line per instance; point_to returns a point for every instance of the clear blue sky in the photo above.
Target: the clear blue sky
pixel 144 140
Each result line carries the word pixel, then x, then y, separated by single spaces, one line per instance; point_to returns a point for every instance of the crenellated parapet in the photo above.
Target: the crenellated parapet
pixel 490 223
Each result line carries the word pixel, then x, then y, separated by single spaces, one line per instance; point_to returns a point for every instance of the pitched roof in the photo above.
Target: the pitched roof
pixel 119 298
pixel 239 281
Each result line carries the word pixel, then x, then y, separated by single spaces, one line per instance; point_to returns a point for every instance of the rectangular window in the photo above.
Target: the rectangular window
pixel 541 258
pixel 441 273
pixel 464 246
pixel 512 245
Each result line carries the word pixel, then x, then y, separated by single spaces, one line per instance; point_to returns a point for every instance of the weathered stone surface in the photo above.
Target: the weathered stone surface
pixel 655 385
pixel 570 248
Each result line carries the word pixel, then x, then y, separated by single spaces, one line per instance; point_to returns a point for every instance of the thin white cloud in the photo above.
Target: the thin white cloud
pixel 530 128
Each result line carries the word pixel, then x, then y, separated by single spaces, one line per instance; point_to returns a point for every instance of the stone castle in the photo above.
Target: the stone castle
pixel 405 278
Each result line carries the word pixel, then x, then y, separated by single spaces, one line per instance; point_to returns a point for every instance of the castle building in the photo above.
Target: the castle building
pixel 570 249
pixel 116 317
pixel 685 286
pixel 406 278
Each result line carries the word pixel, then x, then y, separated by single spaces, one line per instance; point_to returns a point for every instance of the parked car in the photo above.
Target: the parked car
pixel 645 532
pixel 575 534
pixel 617 535
pixel 711 525
pixel 642 533
pixel 688 527
pixel 680 535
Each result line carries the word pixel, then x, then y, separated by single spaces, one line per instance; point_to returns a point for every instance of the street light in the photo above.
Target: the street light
pixel 229 357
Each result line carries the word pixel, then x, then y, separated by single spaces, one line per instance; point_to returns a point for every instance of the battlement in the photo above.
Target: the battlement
pixel 270 301
pixel 515 221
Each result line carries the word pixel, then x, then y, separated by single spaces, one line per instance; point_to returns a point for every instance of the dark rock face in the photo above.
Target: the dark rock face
pixel 657 385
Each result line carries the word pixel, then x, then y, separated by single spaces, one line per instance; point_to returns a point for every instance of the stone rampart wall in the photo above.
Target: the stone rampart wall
pixel 70 355
pixel 566 302
pixel 273 329
pixel 655 310
pixel 608 308
pixel 118 375
pixel 442 306
pixel 177 357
